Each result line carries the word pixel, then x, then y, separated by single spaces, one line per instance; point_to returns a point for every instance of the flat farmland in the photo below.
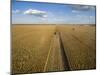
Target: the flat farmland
pixel 48 48
pixel 80 46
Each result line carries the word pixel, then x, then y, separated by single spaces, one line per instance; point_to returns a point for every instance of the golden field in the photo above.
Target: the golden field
pixel 48 48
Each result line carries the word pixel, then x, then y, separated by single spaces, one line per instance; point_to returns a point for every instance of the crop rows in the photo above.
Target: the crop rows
pixel 29 51
pixel 79 46
pixel 38 48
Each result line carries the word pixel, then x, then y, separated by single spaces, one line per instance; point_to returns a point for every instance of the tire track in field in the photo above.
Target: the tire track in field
pixel 63 59
pixel 55 62
pixel 64 56
pixel 81 41
pixel 84 56
pixel 45 66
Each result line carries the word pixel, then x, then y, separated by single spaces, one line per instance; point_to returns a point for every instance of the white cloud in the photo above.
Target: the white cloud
pixel 75 11
pixel 79 8
pixel 15 11
pixel 35 12
pixel 45 16
pixel 88 7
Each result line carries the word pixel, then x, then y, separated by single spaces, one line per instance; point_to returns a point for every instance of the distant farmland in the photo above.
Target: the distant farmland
pixel 50 48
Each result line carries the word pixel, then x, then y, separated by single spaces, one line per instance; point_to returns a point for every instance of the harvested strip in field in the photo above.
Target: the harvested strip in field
pixel 63 53
pixel 57 59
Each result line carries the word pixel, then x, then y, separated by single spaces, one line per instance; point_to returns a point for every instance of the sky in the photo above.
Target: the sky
pixel 24 12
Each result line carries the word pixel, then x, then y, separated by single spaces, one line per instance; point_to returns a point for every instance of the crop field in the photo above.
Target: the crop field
pixel 50 48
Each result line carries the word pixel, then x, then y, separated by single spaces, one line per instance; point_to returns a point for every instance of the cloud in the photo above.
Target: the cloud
pixel 75 11
pixel 83 7
pixel 15 11
pixel 38 13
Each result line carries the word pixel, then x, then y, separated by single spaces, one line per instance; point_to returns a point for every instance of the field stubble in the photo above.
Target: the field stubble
pixel 36 48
